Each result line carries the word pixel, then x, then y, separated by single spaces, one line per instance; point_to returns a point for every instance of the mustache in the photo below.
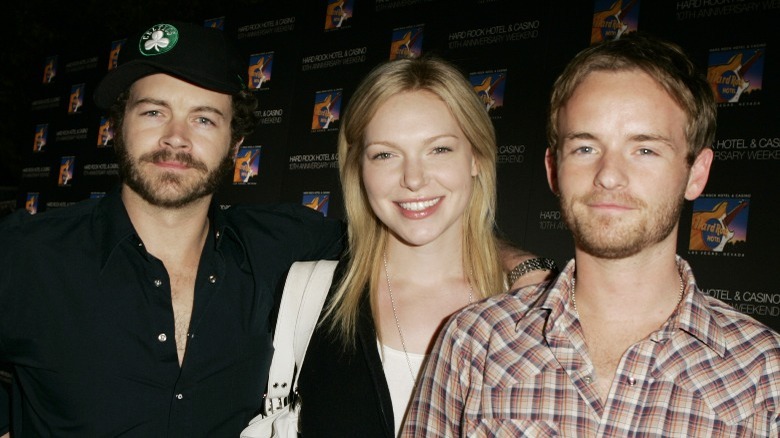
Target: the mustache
pixel 179 157
pixel 622 199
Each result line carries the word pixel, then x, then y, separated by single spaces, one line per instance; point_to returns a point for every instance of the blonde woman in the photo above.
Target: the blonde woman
pixel 417 154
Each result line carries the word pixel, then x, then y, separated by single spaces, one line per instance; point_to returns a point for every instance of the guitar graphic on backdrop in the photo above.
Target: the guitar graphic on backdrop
pixel 257 72
pixel 710 229
pixel 322 113
pixel 335 15
pixel 608 25
pixel 402 48
pixel 727 80
pixel 486 89
pixel 243 167
pixel 317 202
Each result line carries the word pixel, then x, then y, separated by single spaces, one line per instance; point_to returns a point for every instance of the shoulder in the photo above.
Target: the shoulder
pixel 280 217
pixel 21 225
pixel 497 316
pixel 746 339
pixel 511 305
pixel 741 329
pixel 742 367
pixel 271 211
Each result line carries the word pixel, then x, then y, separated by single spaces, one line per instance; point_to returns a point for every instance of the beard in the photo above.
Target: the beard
pixel 615 237
pixel 169 189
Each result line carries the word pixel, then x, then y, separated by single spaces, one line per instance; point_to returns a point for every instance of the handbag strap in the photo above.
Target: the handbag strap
pixel 304 294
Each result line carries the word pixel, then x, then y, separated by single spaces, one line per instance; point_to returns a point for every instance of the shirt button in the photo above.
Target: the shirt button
pixel 162 337
pixel 179 396
pixel 212 279
pixel 157 282
pixel 218 234
pixel 587 379
pixel 631 381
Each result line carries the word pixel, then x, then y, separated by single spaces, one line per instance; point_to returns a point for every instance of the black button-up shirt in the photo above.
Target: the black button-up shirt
pixel 86 320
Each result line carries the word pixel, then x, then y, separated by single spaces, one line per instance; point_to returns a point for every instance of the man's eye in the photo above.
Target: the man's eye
pixel 583 150
pixel 646 151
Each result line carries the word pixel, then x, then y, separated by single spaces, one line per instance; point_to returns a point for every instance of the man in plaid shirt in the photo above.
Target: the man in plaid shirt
pixel 623 342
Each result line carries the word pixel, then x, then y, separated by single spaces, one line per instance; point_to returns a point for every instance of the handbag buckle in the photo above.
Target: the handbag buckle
pixel 274 404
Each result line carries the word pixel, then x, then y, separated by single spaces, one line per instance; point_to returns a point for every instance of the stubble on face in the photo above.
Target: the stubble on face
pixel 169 189
pixel 615 237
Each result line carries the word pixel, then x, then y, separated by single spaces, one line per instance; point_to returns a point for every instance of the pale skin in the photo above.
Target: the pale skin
pixel 418 180
pixel 164 112
pixel 622 157
pixel 430 162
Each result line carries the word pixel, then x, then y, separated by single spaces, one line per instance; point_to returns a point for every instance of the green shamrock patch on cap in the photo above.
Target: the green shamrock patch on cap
pixel 159 39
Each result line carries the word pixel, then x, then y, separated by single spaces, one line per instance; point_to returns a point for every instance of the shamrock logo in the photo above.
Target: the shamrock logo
pixel 157 42
pixel 159 39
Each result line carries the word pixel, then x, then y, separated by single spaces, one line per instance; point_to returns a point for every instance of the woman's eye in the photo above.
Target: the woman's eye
pixel 381 156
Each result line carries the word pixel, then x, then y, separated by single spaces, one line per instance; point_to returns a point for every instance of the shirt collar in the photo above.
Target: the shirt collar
pixel 693 316
pixel 112 225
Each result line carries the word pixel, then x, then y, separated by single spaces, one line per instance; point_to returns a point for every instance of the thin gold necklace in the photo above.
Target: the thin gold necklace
pixel 398 324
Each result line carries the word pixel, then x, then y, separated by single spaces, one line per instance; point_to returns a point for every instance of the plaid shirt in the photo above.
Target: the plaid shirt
pixel 516 365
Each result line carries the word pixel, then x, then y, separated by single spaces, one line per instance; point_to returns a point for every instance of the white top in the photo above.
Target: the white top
pixel 399 379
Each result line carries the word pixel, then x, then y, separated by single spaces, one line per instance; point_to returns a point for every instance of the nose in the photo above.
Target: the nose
pixel 414 174
pixel 176 135
pixel 612 171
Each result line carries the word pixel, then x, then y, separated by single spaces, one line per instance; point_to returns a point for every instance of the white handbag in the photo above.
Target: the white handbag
pixel 304 294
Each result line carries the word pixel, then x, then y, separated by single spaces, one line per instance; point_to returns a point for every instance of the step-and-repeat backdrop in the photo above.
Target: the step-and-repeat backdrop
pixel 304 59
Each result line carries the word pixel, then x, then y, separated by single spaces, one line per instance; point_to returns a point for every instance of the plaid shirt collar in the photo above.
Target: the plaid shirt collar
pixel 692 316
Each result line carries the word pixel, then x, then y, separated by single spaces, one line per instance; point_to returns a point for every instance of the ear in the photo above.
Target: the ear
pixel 698 175
pixel 234 149
pixel 550 163
pixel 474 166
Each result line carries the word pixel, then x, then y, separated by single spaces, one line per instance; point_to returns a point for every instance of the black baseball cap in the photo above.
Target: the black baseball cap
pixel 197 54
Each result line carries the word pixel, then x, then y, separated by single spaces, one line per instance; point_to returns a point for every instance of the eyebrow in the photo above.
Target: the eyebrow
pixel 163 103
pixel 579 136
pixel 635 137
pixel 428 141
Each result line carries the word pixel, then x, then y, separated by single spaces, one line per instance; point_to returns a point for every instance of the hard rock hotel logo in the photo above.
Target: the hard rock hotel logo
pixel 113 54
pixel 719 224
pixel 215 23
pixel 489 86
pixel 49 69
pixel 67 166
pixel 611 19
pixel 736 74
pixel 105 135
pixel 260 66
pixel 41 137
pixel 337 13
pixel 76 100
pixel 247 165
pixel 316 201
pixel 327 107
pixel 406 42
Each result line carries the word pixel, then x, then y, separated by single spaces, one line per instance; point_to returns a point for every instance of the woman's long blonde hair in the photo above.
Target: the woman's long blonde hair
pixel 367 235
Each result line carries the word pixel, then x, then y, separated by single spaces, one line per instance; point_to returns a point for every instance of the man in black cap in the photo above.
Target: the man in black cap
pixel 146 313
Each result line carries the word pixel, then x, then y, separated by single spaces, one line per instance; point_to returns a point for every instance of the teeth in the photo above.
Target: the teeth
pixel 419 205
